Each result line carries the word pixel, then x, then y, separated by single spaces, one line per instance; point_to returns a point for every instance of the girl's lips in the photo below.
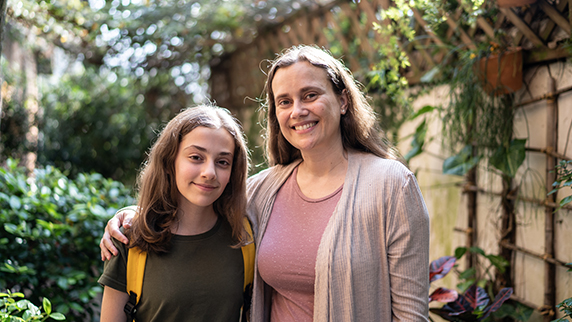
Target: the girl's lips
pixel 205 187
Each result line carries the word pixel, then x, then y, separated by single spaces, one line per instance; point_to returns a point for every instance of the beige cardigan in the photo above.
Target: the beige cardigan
pixel 373 259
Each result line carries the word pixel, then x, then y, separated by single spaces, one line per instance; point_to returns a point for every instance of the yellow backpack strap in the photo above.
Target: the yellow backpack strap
pixel 248 253
pixel 135 271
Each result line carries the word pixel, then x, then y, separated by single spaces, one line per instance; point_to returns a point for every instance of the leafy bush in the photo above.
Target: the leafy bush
pixel 24 310
pixel 50 228
pixel 474 302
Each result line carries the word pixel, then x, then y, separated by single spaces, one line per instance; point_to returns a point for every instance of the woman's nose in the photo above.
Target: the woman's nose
pixel 298 109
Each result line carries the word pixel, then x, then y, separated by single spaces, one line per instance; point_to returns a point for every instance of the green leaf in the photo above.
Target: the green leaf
pixel 565 201
pixel 47 306
pixel 57 316
pixel 461 163
pixel 471 271
pixel 428 77
pixel 425 109
pixel 509 159
pixel 477 250
pixel 15 203
pixel 499 262
pixel 460 251
pixel 418 141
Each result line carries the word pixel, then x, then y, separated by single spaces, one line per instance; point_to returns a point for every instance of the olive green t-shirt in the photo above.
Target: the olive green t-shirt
pixel 200 279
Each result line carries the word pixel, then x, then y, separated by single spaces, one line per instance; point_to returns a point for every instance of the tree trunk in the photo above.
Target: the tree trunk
pixel 2 21
pixel 31 96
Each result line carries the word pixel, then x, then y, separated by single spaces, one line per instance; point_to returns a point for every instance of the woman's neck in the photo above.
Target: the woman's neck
pixel 321 174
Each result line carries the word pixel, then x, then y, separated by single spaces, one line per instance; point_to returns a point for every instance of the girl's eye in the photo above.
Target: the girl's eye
pixel 195 158
pixel 224 163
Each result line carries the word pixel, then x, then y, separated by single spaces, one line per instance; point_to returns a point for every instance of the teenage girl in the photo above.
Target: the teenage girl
pixel 192 204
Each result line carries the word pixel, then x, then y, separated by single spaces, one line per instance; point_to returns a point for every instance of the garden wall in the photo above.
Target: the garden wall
pixel 446 195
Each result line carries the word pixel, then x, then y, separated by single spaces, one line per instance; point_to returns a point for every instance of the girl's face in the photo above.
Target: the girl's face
pixel 307 108
pixel 202 167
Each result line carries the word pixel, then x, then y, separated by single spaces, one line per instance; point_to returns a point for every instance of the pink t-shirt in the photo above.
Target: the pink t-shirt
pixel 288 250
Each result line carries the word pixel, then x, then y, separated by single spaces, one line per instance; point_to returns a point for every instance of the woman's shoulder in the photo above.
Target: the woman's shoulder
pixel 376 166
pixel 271 174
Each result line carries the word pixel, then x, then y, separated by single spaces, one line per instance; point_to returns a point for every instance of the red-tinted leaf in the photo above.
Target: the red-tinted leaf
pixel 501 297
pixel 442 313
pixel 440 267
pixel 459 306
pixel 477 296
pixel 443 295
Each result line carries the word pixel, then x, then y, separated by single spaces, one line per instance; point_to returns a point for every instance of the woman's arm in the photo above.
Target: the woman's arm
pixel 123 216
pixel 112 305
pixel 408 255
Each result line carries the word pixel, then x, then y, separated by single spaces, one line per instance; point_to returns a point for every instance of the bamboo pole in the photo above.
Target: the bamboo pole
pixel 541 202
pixel 507 233
pixel 551 143
pixel 472 216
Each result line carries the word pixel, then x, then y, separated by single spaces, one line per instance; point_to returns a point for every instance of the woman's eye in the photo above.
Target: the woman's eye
pixel 311 95
pixel 224 163
pixel 283 102
pixel 195 158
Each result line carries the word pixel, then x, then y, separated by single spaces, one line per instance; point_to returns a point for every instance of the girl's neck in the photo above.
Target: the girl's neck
pixel 194 222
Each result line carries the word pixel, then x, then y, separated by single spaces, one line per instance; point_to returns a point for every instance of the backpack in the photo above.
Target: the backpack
pixel 136 269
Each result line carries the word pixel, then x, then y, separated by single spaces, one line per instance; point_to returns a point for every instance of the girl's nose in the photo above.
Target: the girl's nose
pixel 209 170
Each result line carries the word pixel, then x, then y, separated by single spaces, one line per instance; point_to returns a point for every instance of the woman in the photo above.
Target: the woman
pixel 341 228
pixel 192 204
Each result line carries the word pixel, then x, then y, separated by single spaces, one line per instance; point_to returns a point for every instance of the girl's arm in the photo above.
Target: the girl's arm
pixel 112 305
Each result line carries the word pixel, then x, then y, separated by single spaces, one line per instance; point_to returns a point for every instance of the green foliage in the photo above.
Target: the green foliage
pixel 93 124
pixel 509 158
pixel 476 300
pixel 24 310
pixel 461 163
pixel 566 308
pixel 50 229
pixel 563 180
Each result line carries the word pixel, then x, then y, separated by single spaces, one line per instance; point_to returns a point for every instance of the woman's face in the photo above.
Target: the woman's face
pixel 203 166
pixel 307 108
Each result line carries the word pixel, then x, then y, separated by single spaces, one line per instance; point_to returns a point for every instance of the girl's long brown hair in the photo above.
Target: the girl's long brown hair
pixel 158 193
pixel 359 127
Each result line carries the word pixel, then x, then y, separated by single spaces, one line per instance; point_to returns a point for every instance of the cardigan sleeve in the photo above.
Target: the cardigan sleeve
pixel 408 253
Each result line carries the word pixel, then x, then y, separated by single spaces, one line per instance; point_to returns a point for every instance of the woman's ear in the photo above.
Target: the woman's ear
pixel 344 101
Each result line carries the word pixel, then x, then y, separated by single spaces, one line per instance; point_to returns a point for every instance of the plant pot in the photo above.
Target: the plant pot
pixel 514 3
pixel 501 75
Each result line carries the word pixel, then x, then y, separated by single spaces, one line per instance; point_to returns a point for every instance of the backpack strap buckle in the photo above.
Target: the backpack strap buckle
pixel 131 307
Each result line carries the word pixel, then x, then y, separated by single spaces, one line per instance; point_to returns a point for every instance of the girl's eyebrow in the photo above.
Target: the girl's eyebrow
pixel 200 148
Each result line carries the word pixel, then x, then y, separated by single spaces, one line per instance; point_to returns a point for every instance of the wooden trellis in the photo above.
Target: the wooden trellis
pixel 346 29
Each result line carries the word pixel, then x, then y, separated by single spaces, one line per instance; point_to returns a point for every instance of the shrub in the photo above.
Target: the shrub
pixel 24 310
pixel 50 228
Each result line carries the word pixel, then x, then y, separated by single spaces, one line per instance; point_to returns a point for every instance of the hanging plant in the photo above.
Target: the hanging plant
pixel 509 158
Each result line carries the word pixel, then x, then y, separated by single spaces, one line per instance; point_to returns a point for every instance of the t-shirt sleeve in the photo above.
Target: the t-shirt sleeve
pixel 115 270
